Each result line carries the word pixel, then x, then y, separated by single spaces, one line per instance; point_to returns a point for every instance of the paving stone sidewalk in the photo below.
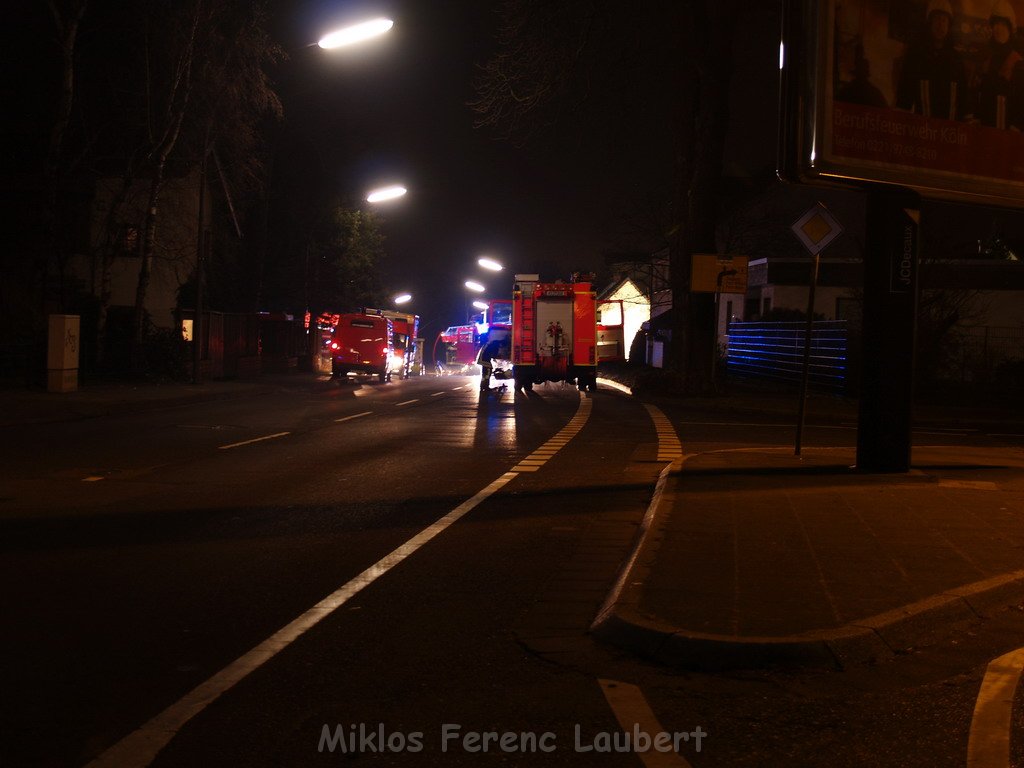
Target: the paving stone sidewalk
pixel 771 557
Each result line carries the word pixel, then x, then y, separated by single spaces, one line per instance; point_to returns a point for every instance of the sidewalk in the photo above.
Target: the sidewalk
pixel 754 557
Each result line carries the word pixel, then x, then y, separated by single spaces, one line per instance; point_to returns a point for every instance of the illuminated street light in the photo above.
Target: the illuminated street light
pixel 355 33
pixel 480 304
pixel 386 193
pixel 403 298
pixel 473 285
pixel 488 263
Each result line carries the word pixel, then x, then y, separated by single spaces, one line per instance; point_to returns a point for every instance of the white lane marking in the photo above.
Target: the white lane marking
pixel 406 402
pixel 539 457
pixel 614 385
pixel 989 743
pixel 254 440
pixel 354 416
pixel 91 479
pixel 669 447
pixel 456 389
pixel 141 747
pixel 635 716
pixel 435 394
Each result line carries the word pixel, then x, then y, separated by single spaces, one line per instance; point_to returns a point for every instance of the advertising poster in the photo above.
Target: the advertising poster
pixel 924 93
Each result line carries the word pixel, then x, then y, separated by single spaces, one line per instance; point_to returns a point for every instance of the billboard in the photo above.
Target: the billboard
pixel 926 94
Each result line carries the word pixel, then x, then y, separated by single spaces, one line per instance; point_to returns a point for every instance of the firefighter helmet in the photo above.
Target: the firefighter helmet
pixel 1003 11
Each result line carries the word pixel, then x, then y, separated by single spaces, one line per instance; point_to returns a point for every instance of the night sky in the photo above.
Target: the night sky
pixel 396 109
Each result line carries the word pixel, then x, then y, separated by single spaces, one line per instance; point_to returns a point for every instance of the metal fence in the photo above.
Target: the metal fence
pixel 775 351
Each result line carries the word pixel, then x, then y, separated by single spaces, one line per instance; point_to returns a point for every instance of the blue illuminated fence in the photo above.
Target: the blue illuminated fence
pixel 775 351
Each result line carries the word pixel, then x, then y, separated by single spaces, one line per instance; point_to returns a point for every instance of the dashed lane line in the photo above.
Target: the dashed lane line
pixel 539 457
pixel 254 440
pixel 141 746
pixel 669 447
pixel 988 745
pixel 354 416
pixel 406 402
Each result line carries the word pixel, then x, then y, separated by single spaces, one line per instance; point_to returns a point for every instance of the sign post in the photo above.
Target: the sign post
pixel 718 274
pixel 815 229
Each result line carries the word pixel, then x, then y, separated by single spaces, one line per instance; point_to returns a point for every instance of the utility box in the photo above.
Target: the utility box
pixel 62 354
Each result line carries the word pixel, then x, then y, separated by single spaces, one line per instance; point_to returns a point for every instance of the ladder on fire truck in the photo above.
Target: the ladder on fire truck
pixel 526 351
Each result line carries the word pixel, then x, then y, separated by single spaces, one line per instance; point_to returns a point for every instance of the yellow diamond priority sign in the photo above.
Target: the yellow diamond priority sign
pixel 817 228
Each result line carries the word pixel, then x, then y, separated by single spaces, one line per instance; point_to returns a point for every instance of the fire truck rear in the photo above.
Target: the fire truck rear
pixel 362 344
pixel 554 333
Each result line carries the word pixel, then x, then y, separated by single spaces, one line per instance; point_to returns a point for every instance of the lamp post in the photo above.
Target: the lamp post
pixel 384 194
pixel 355 33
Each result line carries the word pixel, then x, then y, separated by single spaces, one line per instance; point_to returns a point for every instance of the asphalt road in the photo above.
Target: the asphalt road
pixel 142 555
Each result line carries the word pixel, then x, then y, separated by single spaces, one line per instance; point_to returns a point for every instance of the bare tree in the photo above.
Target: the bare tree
pixel 211 84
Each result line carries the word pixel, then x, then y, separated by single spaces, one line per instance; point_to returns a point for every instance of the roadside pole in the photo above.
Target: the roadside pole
pixel 815 229
pixel 806 373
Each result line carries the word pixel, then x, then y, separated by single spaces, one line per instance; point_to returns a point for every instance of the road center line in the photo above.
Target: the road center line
pixel 406 402
pixel 354 416
pixel 141 747
pixel 435 394
pixel 634 714
pixel 254 440
pixel 989 743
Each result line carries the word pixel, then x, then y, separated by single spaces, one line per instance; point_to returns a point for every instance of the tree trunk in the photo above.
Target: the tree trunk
pixel 700 159
pixel 67 34
pixel 178 105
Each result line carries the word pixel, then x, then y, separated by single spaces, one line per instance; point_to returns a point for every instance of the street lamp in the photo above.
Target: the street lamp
pixel 355 33
pixel 473 285
pixel 386 193
pixel 480 304
pixel 403 298
pixel 488 263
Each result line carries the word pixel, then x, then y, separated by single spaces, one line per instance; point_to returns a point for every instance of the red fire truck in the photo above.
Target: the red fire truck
pixel 554 333
pixel 362 343
pixel 461 343
pixel 407 353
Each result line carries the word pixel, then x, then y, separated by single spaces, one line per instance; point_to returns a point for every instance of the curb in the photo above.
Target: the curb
pixel 619 621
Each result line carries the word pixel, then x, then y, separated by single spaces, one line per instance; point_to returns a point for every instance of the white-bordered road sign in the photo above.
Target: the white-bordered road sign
pixel 817 228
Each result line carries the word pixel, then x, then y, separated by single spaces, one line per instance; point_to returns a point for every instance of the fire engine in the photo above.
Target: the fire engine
pixel 408 354
pixel 362 343
pixel 554 333
pixel 461 343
